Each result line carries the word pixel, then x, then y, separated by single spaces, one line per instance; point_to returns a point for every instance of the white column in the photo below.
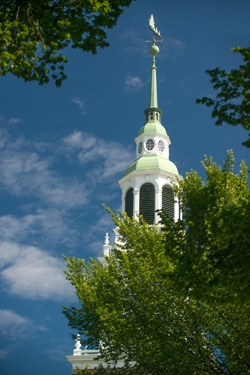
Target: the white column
pixel 136 203
pixel 123 203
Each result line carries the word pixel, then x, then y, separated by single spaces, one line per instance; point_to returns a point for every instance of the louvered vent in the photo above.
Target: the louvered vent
pixel 168 200
pixel 129 202
pixel 147 202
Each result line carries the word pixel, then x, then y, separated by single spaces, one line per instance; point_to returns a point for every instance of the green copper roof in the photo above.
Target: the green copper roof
pixel 149 162
pixel 153 127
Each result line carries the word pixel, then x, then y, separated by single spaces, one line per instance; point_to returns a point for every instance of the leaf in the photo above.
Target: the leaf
pixel 232 103
pixel 34 33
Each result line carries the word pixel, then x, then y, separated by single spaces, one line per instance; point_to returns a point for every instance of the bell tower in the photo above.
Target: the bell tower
pixel 147 183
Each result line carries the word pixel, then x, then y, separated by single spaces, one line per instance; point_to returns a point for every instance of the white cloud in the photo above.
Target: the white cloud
pixel 112 157
pixel 32 273
pixel 16 327
pixel 4 352
pixel 132 35
pixel 95 235
pixel 137 44
pixel 49 226
pixel 79 139
pixel 3 138
pixel 171 47
pixel 14 120
pixel 81 104
pixel 49 204
pixel 57 348
pixel 175 43
pixel 25 173
pixel 133 83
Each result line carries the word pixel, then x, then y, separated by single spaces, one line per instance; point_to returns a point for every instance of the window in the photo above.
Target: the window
pixel 129 202
pixel 168 200
pixel 161 145
pixel 147 202
pixel 150 144
pixel 140 147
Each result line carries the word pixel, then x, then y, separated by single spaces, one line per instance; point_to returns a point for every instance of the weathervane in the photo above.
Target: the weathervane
pixel 155 31
pixel 154 49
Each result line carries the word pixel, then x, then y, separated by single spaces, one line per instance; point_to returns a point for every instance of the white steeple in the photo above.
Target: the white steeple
pixel 147 182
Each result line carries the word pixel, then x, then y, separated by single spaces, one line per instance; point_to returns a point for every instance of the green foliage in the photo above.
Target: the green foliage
pixel 211 248
pixel 232 103
pixel 33 34
pixel 146 304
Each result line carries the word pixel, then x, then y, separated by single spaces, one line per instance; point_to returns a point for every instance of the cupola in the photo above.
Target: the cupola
pixel 147 184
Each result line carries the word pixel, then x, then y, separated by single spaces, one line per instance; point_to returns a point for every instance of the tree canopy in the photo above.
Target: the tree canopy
pixel 232 103
pixel 134 306
pixel 34 33
pixel 211 252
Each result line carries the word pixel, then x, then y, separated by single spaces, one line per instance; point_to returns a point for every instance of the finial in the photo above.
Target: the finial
pixel 77 350
pixel 154 49
pixel 106 246
pixel 106 241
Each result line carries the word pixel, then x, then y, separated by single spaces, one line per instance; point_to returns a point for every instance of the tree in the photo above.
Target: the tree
pixel 232 103
pixel 211 253
pixel 136 309
pixel 33 34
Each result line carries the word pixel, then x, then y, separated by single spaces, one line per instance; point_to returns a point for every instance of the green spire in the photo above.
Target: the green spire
pixel 154 50
pixel 153 113
pixel 153 101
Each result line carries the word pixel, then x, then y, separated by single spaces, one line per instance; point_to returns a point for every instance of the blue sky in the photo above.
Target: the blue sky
pixel 63 150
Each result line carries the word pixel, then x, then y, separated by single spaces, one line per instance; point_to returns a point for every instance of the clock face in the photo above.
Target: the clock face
pixel 140 147
pixel 150 144
pixel 161 145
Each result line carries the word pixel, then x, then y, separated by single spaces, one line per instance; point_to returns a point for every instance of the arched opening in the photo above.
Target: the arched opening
pixel 147 202
pixel 168 200
pixel 129 202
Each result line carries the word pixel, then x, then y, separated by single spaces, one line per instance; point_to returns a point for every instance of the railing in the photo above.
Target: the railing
pixel 86 351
